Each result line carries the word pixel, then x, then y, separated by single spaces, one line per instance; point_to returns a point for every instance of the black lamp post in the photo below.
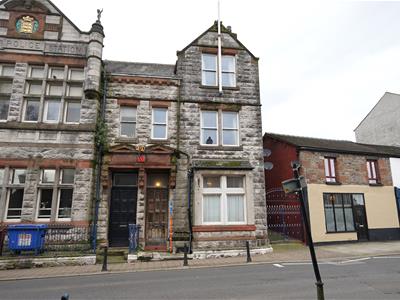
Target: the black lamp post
pixel 298 185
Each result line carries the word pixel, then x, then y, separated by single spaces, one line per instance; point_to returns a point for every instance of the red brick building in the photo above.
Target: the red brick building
pixel 350 188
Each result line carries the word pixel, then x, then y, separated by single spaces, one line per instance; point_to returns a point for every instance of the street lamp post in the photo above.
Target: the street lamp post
pixel 297 185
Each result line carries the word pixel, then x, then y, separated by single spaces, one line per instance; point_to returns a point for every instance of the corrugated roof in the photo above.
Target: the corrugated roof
pixel 139 69
pixel 316 144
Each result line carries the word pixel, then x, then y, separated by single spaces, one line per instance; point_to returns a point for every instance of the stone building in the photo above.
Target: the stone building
pixel 50 74
pixel 179 158
pixel 349 185
pixel 187 159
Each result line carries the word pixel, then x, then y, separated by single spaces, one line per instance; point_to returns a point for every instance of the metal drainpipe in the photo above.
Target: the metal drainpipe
pixel 99 162
pixel 190 180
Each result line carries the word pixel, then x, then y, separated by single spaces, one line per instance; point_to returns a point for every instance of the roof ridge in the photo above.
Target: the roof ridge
pixel 308 137
pixel 138 62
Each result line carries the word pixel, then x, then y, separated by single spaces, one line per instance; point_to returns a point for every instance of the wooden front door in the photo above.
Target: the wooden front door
pixel 157 211
pixel 122 208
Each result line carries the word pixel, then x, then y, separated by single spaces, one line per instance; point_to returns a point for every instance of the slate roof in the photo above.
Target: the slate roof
pixel 140 69
pixel 338 146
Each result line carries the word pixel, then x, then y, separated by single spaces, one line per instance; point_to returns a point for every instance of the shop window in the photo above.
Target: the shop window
pixel 338 212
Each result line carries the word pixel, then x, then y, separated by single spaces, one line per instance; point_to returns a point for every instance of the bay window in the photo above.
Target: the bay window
pixel 223 199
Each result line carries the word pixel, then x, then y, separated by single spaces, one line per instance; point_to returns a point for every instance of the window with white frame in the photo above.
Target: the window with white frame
pixel 159 128
pixel 31 110
pixel 4 108
pixel 60 101
pixel 128 121
pixel 209 128
pixel 213 132
pixel 210 74
pixel 55 190
pixel 7 70
pixel 230 128
pixel 223 199
pixel 15 194
pixel 330 169
pixel 72 112
pixel 372 169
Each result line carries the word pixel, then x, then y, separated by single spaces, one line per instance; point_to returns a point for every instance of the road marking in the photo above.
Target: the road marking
pixel 354 260
pixel 386 257
pixel 278 265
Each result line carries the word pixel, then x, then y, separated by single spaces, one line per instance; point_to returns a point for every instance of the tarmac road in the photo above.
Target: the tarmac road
pixel 363 278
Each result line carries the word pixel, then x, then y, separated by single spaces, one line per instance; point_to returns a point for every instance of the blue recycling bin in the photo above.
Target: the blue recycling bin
pixel 26 237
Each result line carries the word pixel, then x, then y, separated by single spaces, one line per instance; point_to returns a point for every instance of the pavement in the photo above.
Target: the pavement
pixel 282 253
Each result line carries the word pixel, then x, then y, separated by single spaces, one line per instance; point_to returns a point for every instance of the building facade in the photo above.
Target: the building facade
pixel 193 156
pixel 173 154
pixel 349 186
pixel 49 85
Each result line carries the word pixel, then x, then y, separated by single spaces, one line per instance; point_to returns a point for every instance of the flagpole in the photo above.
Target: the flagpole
pixel 219 51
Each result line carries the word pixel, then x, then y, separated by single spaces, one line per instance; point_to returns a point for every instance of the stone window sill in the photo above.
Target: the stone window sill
pixel 375 184
pixel 155 141
pixel 126 140
pixel 333 183
pixel 224 88
pixel 220 148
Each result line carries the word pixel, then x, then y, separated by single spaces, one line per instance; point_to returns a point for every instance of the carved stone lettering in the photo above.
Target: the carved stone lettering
pixel 49 47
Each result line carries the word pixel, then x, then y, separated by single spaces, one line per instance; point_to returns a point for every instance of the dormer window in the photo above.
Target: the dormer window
pixel 210 70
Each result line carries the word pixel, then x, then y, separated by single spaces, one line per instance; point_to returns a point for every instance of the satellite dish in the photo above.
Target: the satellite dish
pixel 268 165
pixel 266 152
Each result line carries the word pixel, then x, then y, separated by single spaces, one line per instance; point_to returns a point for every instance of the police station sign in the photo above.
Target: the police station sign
pixel 44 46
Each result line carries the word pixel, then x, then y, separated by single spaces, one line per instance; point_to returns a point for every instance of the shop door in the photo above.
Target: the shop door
pixel 122 208
pixel 157 211
pixel 360 218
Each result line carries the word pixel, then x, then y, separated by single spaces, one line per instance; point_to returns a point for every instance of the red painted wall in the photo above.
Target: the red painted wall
pixel 281 156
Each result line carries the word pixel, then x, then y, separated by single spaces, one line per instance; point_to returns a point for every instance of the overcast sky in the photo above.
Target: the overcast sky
pixel 323 64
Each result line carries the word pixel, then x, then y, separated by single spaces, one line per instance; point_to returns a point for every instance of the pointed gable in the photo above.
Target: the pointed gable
pixel 38 19
pixel 209 39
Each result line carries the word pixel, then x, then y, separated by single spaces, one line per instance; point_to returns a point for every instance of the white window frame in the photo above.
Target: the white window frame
pixel 6 65
pixel 50 73
pixel 215 56
pixel 76 69
pixel 46 108
pixel 38 197
pixel 130 122
pixel 11 185
pixel 236 130
pixel 230 72
pixel 223 191
pixel 63 187
pixel 330 169
pixel 26 100
pixel 164 124
pixel 36 67
pixel 66 103
pixel 203 69
pixel 8 112
pixel 212 128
